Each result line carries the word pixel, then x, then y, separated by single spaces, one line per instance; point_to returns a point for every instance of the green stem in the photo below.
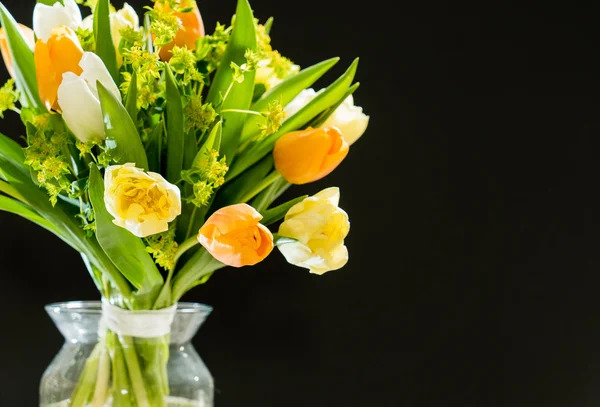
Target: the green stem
pixel 102 383
pixel 85 386
pixel 185 246
pixel 241 111
pixel 198 266
pixel 191 224
pixel 272 177
pixel 97 256
pixel 135 372
pixel 120 377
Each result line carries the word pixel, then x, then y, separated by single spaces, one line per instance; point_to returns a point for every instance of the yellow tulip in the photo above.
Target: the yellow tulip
pixel 319 228
pixel 191 30
pixel 6 55
pixel 142 202
pixel 234 236
pixel 61 53
pixel 309 155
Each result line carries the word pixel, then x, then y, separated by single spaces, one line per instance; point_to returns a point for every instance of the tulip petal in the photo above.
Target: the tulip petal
pixel 80 108
pixel 94 70
pixel 46 18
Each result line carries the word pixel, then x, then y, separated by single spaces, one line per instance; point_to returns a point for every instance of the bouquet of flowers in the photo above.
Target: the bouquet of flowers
pixel 156 151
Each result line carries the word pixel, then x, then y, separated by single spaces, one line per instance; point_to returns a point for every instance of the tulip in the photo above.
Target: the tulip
pixel 78 98
pixel 124 18
pixel 234 236
pixel 142 202
pixel 348 118
pixel 317 227
pixel 309 155
pixel 61 53
pixel 190 31
pixel 6 55
pixel 46 18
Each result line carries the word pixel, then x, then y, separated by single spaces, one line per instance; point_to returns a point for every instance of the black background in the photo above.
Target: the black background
pixel 474 266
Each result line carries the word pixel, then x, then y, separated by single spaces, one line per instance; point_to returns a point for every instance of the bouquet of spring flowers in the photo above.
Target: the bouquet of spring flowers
pixel 157 151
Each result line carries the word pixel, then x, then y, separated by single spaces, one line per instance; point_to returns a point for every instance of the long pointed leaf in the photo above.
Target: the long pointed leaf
pixel 322 102
pixel 175 141
pixel 125 250
pixel 239 97
pixel 276 214
pixel 104 42
pixel 23 62
pixel 18 176
pixel 17 208
pixel 121 133
pixel 286 91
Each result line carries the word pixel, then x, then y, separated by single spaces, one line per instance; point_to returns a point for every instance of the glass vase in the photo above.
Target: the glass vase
pixel 75 375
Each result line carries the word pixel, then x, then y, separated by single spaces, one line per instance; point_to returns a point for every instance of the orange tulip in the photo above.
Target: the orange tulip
pixel 6 55
pixel 192 28
pixel 60 54
pixel 234 237
pixel 309 155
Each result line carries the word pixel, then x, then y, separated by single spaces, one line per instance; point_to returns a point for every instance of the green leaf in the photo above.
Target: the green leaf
pixel 153 147
pixel 104 42
pixel 286 91
pixel 175 141
pixel 276 214
pixel 269 25
pixel 213 142
pixel 50 2
pixel 121 133
pixel 125 250
pixel 190 151
pixel 200 265
pixel 263 200
pixel 18 208
pixel 322 118
pixel 279 240
pixel 131 102
pixel 23 62
pixel 239 97
pixel 15 171
pixel 322 102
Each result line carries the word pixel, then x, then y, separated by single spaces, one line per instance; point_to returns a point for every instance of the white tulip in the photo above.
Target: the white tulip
pixel 46 18
pixel 124 18
pixel 78 98
pixel 348 118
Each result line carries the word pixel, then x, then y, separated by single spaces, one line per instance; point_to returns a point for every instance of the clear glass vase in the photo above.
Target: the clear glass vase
pixel 190 384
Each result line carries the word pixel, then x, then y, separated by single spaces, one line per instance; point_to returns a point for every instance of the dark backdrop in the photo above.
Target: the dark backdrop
pixel 473 277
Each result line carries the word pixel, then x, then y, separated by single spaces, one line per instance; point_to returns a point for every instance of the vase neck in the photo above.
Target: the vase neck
pixel 80 321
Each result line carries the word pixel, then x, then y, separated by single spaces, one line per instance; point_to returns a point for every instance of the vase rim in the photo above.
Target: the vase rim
pixel 95 307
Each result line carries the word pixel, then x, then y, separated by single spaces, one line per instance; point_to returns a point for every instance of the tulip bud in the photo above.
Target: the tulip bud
pixel 119 20
pixel 46 18
pixel 191 30
pixel 61 53
pixel 234 236
pixel 6 55
pixel 309 155
pixel 78 98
